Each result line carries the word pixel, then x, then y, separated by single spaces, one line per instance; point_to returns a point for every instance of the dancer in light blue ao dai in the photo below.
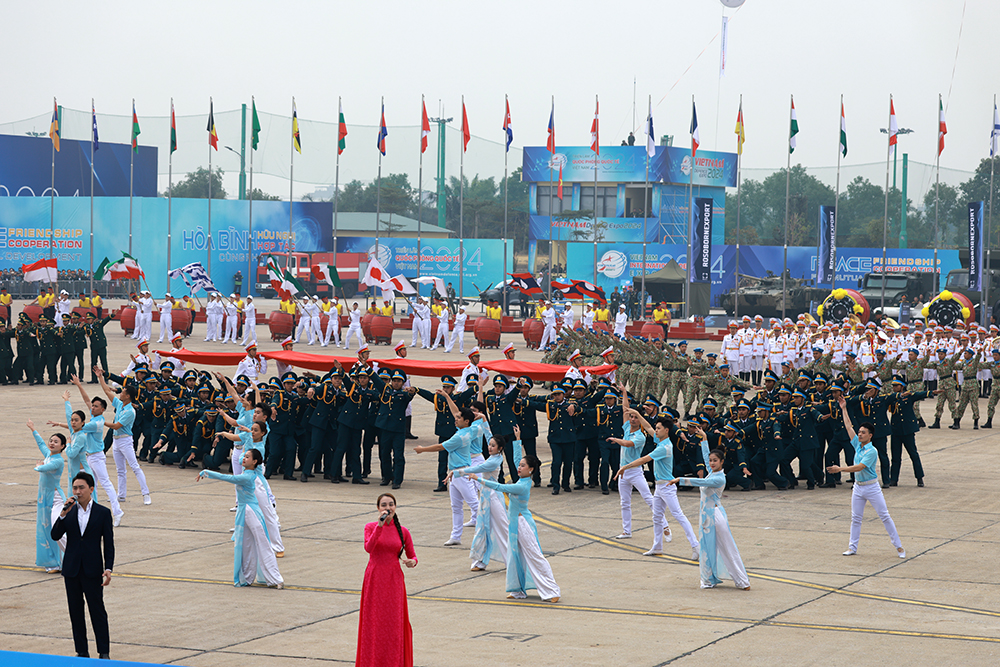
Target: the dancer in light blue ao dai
pixel 48 552
pixel 490 539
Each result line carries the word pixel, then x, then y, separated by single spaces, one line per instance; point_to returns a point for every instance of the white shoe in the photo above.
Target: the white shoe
pixel 234 509
pixel 653 552
pixel 233 529
pixel 146 500
pixel 120 500
pixel 667 537
pixel 470 523
pixel 452 542
pixel 624 536
pixel 902 552
pixel 118 519
pixel 849 552
pixel 695 554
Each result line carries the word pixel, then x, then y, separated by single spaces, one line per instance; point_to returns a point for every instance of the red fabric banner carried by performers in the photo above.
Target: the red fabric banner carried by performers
pixel 418 367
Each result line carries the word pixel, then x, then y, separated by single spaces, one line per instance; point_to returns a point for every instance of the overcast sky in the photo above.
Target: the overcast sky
pixel 530 50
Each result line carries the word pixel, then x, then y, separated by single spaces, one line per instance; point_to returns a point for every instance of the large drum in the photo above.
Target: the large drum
pixel 532 330
pixel 434 330
pixel 487 332
pixel 602 326
pixel 126 318
pixel 5 312
pixel 82 312
pixel 382 327
pixel 280 324
pixel 651 330
pixel 180 320
pixel 366 326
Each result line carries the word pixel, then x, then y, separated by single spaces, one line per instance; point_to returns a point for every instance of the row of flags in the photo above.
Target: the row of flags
pixel 126 268
pixel 550 144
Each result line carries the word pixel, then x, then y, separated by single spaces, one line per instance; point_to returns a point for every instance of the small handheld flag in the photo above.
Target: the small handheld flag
pixel 54 125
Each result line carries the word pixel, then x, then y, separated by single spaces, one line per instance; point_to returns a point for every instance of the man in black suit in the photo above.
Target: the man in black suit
pixel 85 572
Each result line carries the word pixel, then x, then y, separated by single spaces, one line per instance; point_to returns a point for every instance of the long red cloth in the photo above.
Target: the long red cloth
pixel 419 367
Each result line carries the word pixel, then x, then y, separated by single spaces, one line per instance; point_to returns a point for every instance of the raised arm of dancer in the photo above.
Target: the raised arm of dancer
pixel 83 392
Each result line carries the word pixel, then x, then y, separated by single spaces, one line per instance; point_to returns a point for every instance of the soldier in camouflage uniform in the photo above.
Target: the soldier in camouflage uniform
pixel 970 366
pixel 821 363
pixel 912 370
pixel 850 368
pixel 676 373
pixel 724 383
pixel 692 386
pixel 945 366
pixel 991 407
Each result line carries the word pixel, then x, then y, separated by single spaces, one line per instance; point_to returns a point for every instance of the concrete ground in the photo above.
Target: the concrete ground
pixel 172 601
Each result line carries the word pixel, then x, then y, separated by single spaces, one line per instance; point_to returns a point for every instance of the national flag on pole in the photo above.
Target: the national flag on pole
pixel 296 139
pixel 793 129
pixel 93 124
pixel 290 285
pixel 45 270
pixel 173 128
pixel 425 126
pixel 550 143
pixel 843 131
pixel 326 273
pixel 213 136
pixel 341 129
pixel 942 126
pixel 400 284
pixel 54 125
pixel 995 134
pixel 893 127
pixel 135 130
pixel 740 131
pixel 650 134
pixel 383 132
pixel 432 280
pixel 695 136
pixel 559 190
pixel 375 275
pixel 506 124
pixel 254 125
pixel 525 282
pixel 194 276
pixel 273 274
pixel 132 266
pixel 117 271
pixel 466 135
pixel 595 140
pixel 589 290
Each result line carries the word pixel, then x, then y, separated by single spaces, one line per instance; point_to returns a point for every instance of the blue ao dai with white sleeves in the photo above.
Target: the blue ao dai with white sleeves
pixel 76 454
pixel 526 567
pixel 490 539
pixel 250 540
pixel 719 559
pixel 47 551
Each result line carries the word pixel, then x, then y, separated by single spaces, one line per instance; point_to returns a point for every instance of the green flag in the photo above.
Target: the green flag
pixel 102 269
pixel 254 128
pixel 135 130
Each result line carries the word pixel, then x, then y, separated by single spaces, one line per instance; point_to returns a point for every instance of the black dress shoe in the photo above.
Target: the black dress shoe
pixel 577 487
pixel 555 491
pixel 358 480
pixel 810 486
pixel 440 488
pixel 920 482
pixel 410 436
pixel 605 492
pixel 567 489
pixel 288 477
pixel 304 478
pixel 341 478
pixel 395 486
pixel 104 656
pixel 384 482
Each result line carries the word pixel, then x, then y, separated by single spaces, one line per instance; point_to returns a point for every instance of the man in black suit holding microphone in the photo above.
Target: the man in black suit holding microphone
pixel 85 572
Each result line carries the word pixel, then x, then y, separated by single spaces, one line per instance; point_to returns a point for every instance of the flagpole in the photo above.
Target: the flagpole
pixel 506 149
pixel 690 230
pixel 211 115
pixel 739 174
pixel 291 188
pixel 885 218
pixel 170 194
pixel 378 187
pixel 989 221
pixel 461 210
pixel 836 197
pixel 420 184
pixel 642 298
pixel 52 190
pixel 251 274
pixel 937 183
pixel 93 112
pixel 552 154
pixel 336 182
pixel 597 154
pixel 131 176
pixel 788 183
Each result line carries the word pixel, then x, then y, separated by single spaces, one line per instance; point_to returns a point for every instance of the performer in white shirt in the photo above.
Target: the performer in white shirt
pixel 305 319
pixel 232 319
pixel 621 319
pixel 458 332
pixel 166 317
pixel 549 320
pixel 286 346
pixel 416 327
pixel 249 322
pixel 587 319
pixel 442 333
pixel 567 317
pixel 63 307
pixel 144 317
pixel 354 329
pixel 334 310
pixel 473 367
pixel 211 315
pixel 253 365
pixel 314 310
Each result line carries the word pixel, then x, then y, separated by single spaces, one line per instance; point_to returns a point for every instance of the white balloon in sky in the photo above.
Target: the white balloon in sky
pixel 732 4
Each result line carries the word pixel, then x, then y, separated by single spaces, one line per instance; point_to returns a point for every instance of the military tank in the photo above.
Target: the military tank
pixel 763 296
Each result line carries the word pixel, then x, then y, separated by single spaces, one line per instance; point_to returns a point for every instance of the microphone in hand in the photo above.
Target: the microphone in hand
pixel 381 519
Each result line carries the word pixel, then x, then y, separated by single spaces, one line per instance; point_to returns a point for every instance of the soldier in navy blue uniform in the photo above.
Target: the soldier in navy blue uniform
pixel 838 440
pixel 175 440
pixel 527 419
pixel 324 432
pixel 391 422
pixel 904 428
pixel 500 414
pixel 871 407
pixel 768 448
pixel 804 443
pixel 355 420
pixel 734 464
pixel 586 434
pixel 561 435
pixel 281 443
pixel 444 425
pixel 610 424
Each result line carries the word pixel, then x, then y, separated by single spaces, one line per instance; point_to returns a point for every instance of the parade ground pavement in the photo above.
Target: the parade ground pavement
pixel 172 598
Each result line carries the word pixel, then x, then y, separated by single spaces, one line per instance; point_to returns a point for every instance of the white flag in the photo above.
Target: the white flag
pixel 375 275
pixel 432 280
pixel 400 284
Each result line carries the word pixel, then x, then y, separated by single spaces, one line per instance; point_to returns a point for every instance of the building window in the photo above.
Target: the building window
pixel 606 198
pixel 557 206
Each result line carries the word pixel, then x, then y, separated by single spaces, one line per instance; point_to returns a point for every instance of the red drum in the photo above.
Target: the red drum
pixel 366 326
pixel 280 324
pixel 126 318
pixel 651 330
pixel 533 330
pixel 180 320
pixel 487 332
pixel 602 326
pixel 382 327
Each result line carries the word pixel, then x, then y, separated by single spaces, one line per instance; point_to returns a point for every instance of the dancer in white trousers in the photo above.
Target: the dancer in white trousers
pixel 458 332
pixel 315 323
pixel 631 444
pixel 549 320
pixel 526 566
pixel 232 319
pixel 866 484
pixel 305 320
pixel 122 446
pixel 146 305
pixel 253 438
pixel 93 430
pixel 719 556
pixel 666 494
pixel 442 333
pixel 166 317
pixel 333 323
pixel 490 539
pixel 249 322
pixel 252 554
pixel 461 489
pixel 354 329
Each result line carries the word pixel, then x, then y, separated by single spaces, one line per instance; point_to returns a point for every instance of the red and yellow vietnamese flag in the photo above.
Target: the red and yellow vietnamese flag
pixel 466 135
pixel 213 136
